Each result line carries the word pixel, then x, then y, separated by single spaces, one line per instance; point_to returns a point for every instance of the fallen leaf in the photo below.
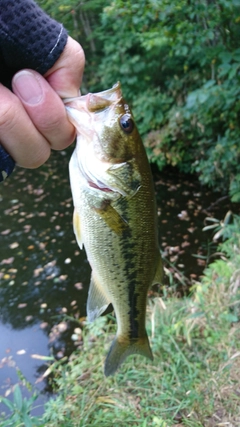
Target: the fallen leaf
pixel 73 303
pixel 14 245
pixel 21 352
pixel 5 232
pixel 22 305
pixel 183 215
pixel 43 305
pixel 43 325
pixel 106 399
pixel 184 244
pixel 40 357
pixel 8 260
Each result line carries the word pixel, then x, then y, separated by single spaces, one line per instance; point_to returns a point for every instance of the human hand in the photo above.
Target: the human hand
pixel 33 119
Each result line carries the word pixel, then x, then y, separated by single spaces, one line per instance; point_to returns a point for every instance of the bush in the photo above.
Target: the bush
pixel 179 65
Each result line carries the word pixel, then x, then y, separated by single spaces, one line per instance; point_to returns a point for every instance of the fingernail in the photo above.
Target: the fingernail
pixel 27 87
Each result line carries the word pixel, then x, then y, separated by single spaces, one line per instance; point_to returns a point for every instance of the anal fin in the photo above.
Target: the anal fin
pixel 97 301
pixel 158 278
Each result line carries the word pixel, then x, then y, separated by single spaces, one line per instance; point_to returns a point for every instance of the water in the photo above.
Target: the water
pixel 44 277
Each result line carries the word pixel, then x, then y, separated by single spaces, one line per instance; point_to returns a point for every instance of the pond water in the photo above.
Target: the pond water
pixel 44 277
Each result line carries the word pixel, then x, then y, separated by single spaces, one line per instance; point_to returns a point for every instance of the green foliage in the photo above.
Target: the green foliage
pixel 20 411
pixel 82 20
pixel 235 188
pixel 179 65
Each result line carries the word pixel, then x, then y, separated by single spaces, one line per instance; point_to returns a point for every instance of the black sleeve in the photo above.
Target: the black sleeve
pixel 28 39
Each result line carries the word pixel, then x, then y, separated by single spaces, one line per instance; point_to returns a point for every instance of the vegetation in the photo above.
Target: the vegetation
pixel 179 63
pixel 20 410
pixel 194 379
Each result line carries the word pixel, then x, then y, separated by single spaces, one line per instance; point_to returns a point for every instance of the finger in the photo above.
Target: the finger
pixel 18 135
pixel 44 107
pixel 65 76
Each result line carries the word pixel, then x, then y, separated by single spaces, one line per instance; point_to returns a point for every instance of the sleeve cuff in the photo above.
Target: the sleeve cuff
pixel 7 164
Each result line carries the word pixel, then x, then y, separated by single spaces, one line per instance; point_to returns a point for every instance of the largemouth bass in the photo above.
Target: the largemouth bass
pixel 114 217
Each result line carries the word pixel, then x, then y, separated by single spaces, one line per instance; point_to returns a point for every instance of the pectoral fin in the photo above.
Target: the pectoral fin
pixel 125 177
pixel 111 217
pixel 77 228
pixel 97 300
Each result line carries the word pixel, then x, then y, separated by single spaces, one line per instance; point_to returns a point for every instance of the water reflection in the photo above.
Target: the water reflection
pixel 40 261
pixel 17 352
pixel 43 276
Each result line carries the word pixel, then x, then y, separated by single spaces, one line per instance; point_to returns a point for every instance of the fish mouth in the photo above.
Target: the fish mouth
pixel 101 100
pixel 95 101
pixel 91 103
pixel 80 109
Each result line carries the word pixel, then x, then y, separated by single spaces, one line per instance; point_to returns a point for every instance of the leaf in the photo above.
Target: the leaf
pixel 7 402
pixel 14 245
pixel 227 217
pixel 8 260
pixel 17 396
pixel 202 97
pixel 106 399
pixel 233 71
pixel 229 317
pixel 5 232
pixel 218 234
pixel 21 352
pixel 40 357
pixel 209 227
pixel 226 57
pixel 27 421
pixel 210 219
pixel 209 84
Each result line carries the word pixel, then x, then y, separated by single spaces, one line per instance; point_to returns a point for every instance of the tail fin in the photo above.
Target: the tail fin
pixel 121 348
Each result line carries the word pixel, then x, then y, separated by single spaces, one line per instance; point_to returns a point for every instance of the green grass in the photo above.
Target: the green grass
pixel 194 380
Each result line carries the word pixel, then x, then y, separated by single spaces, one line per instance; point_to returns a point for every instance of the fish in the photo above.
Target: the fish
pixel 115 217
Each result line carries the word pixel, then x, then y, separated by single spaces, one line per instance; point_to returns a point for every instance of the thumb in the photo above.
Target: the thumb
pixel 65 77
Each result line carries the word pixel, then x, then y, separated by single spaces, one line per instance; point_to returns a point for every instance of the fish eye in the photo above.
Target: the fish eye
pixel 126 123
